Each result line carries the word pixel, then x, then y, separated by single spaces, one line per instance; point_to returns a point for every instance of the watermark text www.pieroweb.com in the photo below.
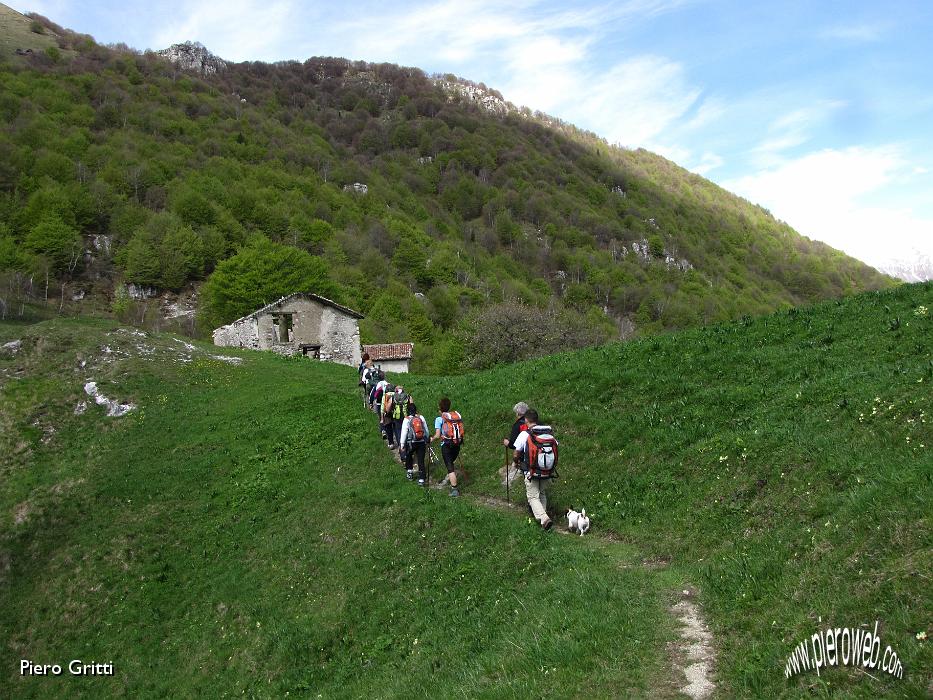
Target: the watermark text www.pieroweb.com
pixel 843 646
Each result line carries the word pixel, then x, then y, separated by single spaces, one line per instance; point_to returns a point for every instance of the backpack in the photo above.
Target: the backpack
pixel 541 451
pixel 418 429
pixel 399 405
pixel 452 427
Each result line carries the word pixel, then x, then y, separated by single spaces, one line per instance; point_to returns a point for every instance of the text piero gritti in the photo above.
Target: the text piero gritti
pixel 75 667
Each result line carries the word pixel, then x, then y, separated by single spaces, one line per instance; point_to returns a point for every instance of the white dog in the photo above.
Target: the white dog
pixel 573 519
pixel 583 522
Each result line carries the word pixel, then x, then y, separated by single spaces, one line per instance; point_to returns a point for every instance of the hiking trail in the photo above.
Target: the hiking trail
pixel 692 655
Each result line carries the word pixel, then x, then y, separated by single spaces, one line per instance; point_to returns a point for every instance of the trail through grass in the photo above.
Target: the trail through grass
pixel 245 530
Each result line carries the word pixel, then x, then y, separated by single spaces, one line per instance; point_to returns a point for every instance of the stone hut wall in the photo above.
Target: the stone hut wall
pixel 313 323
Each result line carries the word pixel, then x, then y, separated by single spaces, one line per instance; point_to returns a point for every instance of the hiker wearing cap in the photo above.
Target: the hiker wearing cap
pixel 536 456
pixel 448 428
pixel 414 441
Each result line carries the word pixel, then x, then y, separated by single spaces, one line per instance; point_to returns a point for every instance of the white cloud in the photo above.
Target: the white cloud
pixel 858 31
pixel 709 161
pixel 236 30
pixel 792 129
pixel 545 55
pixel 825 195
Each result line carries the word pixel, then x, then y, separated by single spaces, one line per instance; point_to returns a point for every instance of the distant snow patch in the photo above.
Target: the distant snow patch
pixel 115 409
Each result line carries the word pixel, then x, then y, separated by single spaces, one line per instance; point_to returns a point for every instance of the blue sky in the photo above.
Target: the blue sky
pixel 821 111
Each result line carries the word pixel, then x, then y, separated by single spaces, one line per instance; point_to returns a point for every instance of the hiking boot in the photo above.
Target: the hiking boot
pixel 548 525
pixel 420 482
pixel 410 474
pixel 454 492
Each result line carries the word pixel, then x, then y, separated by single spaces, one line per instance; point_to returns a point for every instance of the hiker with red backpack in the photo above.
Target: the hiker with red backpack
pixel 448 428
pixel 536 456
pixel 414 442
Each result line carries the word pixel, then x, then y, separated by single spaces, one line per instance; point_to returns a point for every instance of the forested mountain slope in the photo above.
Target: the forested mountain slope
pixel 120 166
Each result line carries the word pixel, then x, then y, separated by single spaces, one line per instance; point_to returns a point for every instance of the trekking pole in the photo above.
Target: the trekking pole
pixel 507 497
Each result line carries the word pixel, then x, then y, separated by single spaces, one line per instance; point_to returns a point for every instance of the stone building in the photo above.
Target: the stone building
pixel 394 357
pixel 298 323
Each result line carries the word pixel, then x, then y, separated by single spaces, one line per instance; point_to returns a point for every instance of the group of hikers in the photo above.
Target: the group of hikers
pixel 405 430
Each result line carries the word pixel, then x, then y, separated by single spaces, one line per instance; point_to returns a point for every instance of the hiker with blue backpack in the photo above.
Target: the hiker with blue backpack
pixel 448 428
pixel 414 441
pixel 536 456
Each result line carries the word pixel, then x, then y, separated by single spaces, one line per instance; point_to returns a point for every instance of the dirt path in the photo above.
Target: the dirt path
pixel 693 656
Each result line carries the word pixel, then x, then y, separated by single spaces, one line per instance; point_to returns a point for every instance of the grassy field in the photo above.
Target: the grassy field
pixel 16 33
pixel 244 531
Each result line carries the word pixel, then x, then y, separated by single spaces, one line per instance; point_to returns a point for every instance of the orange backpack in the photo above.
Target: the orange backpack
pixel 452 427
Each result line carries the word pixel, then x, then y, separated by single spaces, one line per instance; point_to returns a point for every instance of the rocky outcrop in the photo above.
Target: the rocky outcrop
pixel 643 251
pixel 489 100
pixel 193 56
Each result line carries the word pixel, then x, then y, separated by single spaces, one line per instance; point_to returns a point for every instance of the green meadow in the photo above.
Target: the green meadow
pixel 244 531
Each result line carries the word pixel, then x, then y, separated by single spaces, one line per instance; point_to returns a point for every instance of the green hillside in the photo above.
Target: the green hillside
pixel 117 166
pixel 21 36
pixel 244 531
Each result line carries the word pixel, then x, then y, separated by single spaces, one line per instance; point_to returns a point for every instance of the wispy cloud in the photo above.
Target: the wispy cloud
pixel 708 161
pixel 864 32
pixel 237 30
pixel 792 129
pixel 828 194
pixel 548 57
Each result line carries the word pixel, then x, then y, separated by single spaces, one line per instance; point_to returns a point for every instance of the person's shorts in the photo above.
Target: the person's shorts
pixel 449 452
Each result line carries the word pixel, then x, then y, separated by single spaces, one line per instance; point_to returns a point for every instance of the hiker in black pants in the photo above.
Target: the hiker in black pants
pixel 398 412
pixel 414 441
pixel 448 428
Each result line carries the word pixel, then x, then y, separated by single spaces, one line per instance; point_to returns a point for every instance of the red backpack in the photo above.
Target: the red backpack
pixel 541 449
pixel 418 429
pixel 452 427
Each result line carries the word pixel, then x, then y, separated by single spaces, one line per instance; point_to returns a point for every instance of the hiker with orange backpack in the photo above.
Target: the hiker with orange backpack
pixel 414 442
pixel 536 456
pixel 448 428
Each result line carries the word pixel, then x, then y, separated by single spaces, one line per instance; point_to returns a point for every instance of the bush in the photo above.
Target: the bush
pixel 509 332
